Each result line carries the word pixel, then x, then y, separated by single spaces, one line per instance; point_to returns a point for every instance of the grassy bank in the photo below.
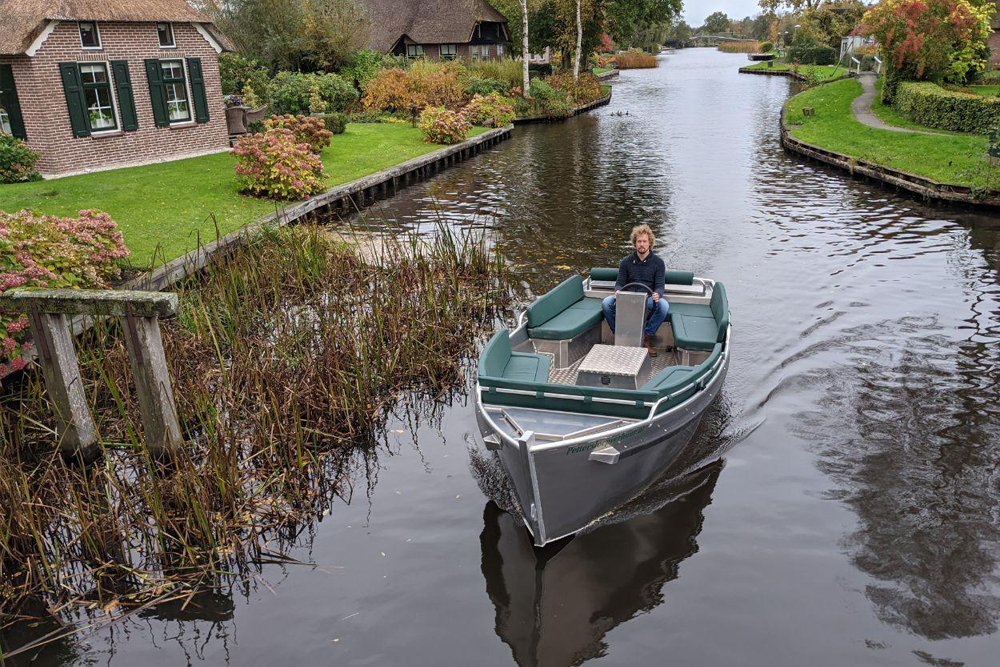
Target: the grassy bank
pixel 286 355
pixel 955 158
pixel 164 209
pixel 598 71
pixel 820 72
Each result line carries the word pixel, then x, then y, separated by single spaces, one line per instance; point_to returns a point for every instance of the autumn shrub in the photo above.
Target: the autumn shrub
pixel 586 89
pixel 293 92
pixel 335 122
pixel 437 84
pixel 17 160
pixel 309 130
pixel 930 40
pixel 635 59
pixel 49 251
pixel 508 70
pixel 489 109
pixel 389 90
pixel 443 126
pixel 483 86
pixel 275 165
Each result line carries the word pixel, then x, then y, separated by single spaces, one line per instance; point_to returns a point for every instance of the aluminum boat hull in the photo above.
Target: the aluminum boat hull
pixel 561 488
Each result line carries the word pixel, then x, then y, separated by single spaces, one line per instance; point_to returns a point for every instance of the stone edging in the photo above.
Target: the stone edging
pixel 919 185
pixel 608 75
pixel 349 196
pixel 558 119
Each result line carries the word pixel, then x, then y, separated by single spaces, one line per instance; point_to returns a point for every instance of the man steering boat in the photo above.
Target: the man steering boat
pixel 637 272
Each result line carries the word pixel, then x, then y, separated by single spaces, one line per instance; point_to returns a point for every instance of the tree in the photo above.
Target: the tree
pixel 678 34
pixel 772 6
pixel 717 23
pixel 627 19
pixel 579 42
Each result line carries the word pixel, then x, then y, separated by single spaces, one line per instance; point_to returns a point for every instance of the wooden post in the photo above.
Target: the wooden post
pixel 57 357
pixel 152 382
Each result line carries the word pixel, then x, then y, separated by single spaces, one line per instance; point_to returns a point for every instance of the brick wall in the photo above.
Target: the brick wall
pixel 46 118
pixel 994 44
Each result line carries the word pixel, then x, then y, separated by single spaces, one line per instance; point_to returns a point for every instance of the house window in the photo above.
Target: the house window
pixel 414 51
pixel 97 94
pixel 500 50
pixel 178 107
pixel 480 51
pixel 166 34
pixel 448 51
pixel 4 122
pixel 90 36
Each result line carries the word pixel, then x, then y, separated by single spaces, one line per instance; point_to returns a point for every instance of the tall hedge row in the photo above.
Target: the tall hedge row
pixel 812 55
pixel 931 105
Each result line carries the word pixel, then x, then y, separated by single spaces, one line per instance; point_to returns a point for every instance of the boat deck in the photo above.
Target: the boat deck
pixel 568 375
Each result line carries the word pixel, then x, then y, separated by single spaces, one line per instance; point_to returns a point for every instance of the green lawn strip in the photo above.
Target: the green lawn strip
pixel 822 72
pixel 986 91
pixel 947 159
pixel 598 71
pixel 163 210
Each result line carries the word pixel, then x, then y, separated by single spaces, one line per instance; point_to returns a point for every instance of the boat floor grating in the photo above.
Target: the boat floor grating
pixel 568 375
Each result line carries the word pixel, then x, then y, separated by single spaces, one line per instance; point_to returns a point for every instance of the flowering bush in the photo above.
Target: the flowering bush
pixel 309 130
pixel 48 251
pixel 443 126
pixel 275 165
pixel 929 39
pixel 17 161
pixel 492 108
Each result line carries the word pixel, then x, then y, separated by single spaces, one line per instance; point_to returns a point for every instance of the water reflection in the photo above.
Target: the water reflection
pixel 555 605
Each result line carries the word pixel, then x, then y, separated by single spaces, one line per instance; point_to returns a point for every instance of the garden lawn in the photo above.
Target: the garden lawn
pixel 598 71
pixel 955 158
pixel 165 210
pixel 822 72
pixel 986 91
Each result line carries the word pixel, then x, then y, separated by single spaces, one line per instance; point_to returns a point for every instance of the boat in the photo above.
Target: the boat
pixel 582 419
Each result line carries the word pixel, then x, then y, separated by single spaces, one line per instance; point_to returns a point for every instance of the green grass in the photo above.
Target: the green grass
pixel 952 159
pixel 598 71
pixel 163 210
pixel 822 72
pixel 890 116
pixel 985 91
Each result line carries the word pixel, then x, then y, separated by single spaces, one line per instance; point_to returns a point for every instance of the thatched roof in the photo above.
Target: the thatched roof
pixel 23 20
pixel 426 21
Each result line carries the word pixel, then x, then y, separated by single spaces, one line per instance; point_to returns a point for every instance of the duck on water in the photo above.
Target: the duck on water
pixel 600 386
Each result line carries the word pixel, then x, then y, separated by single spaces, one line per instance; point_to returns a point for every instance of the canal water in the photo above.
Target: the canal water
pixel 842 504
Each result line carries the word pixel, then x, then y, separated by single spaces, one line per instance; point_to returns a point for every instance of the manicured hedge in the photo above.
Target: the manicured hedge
pixel 931 105
pixel 812 55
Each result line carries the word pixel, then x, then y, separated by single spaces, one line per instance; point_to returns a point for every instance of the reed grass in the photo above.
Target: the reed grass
pixel 286 355
pixel 740 47
pixel 635 59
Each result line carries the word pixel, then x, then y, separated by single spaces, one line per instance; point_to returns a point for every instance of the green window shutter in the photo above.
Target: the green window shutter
pixel 126 100
pixel 75 102
pixel 8 100
pixel 157 93
pixel 198 90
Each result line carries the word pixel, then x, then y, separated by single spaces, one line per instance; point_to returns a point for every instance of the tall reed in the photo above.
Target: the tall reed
pixel 740 47
pixel 635 59
pixel 286 354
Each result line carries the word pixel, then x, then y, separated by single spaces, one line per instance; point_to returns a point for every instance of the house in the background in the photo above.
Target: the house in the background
pixel 994 38
pixel 437 29
pixel 95 85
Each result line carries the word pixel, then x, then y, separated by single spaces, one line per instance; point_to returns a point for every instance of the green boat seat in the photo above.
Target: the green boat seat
pixel 701 327
pixel 571 322
pixel 498 361
pixel 690 309
pixel 669 277
pixel 669 379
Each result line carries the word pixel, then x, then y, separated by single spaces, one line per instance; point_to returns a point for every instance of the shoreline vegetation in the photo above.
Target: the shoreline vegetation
pixel 282 364
pixel 948 159
pixel 801 72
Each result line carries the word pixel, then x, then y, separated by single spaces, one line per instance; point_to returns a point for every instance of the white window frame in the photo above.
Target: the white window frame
pixel 499 50
pixel 117 129
pixel 448 56
pixel 97 31
pixel 187 87
pixel 5 121
pixel 415 47
pixel 173 37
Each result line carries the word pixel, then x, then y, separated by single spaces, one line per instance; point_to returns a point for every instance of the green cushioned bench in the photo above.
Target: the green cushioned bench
pixel 699 327
pixel 564 312
pixel 672 378
pixel 498 361
pixel 608 274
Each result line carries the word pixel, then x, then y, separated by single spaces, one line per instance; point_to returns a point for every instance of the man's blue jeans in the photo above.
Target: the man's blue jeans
pixel 656 313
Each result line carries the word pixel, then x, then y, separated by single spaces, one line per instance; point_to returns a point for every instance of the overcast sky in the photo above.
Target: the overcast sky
pixel 695 11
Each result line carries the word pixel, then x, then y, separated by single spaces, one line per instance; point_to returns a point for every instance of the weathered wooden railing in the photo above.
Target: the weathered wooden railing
pixel 50 311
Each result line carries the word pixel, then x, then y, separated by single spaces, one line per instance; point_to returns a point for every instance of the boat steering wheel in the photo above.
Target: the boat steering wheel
pixel 642 285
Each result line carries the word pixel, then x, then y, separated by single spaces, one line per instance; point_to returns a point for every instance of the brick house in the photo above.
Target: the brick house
pixel 98 84
pixel 994 38
pixel 437 29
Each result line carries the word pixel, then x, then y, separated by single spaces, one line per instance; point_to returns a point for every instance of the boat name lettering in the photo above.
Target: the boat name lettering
pixel 581 448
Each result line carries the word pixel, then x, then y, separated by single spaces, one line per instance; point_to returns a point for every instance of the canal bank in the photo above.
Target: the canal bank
pixel 848 517
pixel 824 124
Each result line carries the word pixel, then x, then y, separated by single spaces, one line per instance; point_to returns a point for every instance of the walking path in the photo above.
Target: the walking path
pixel 862 107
